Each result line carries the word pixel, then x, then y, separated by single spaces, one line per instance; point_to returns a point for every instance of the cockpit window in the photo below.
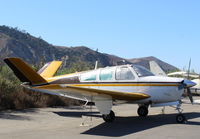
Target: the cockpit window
pixel 124 73
pixel 89 76
pixel 107 74
pixel 141 71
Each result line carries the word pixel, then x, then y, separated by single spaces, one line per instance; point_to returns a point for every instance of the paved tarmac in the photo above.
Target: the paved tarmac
pixel 67 123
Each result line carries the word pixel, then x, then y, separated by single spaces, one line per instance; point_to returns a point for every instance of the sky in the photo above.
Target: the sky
pixel 166 29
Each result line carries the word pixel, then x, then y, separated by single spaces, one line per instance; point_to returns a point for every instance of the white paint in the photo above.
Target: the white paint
pixel 103 104
pixel 165 104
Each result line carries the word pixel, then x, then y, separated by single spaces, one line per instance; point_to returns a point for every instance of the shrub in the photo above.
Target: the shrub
pixel 14 96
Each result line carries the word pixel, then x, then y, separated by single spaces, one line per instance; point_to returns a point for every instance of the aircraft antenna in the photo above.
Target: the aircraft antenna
pixel 96 64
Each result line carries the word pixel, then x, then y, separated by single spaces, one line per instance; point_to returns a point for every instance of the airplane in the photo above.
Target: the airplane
pixel 103 86
pixel 156 69
pixel 183 74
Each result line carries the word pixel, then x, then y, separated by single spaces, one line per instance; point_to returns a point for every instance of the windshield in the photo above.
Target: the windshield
pixel 141 71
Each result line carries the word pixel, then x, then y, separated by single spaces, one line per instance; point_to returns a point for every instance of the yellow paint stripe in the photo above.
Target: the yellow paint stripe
pixel 124 85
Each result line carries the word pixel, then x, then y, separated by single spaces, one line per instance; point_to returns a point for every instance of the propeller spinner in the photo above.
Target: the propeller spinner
pixel 187 84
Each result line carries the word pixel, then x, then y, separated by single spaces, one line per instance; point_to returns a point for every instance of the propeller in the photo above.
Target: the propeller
pixel 188 91
pixel 186 84
pixel 189 95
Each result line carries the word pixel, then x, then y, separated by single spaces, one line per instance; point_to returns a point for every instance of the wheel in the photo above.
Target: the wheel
pixel 142 111
pixel 180 118
pixel 109 117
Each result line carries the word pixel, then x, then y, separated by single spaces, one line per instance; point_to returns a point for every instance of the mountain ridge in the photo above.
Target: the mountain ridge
pixel 17 43
pixel 144 61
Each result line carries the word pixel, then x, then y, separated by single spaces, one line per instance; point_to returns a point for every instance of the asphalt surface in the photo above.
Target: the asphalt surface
pixel 85 123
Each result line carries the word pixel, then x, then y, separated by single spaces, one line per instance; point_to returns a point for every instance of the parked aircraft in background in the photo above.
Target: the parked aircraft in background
pixel 102 86
pixel 196 89
pixel 183 74
pixel 156 69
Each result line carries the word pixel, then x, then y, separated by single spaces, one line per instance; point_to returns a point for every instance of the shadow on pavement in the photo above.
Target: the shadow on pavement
pixel 78 114
pixel 123 126
pixel 16 115
pixel 129 125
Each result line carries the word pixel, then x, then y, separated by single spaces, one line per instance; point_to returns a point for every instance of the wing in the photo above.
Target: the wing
pixel 69 89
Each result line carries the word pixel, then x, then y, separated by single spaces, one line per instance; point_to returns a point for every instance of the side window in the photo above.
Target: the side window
pixel 89 76
pixel 124 73
pixel 106 74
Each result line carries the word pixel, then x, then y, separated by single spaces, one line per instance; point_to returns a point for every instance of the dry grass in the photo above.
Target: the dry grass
pixel 13 96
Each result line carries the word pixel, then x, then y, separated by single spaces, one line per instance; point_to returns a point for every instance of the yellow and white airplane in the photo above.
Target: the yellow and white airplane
pixel 102 86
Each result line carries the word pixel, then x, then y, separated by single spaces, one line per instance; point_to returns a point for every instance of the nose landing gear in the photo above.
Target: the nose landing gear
pixel 180 118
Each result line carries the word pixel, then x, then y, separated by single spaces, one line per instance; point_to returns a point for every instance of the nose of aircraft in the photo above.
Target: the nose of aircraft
pixel 188 83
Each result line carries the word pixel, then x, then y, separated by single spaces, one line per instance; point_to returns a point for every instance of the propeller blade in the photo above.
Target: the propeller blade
pixel 188 76
pixel 190 95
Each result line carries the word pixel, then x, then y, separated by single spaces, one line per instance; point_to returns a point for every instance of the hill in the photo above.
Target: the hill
pixel 144 61
pixel 18 43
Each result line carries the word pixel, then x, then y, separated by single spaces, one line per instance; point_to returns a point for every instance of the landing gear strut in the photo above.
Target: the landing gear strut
pixel 143 111
pixel 109 117
pixel 180 118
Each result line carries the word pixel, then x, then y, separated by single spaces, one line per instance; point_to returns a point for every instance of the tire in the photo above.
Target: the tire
pixel 142 111
pixel 109 117
pixel 180 118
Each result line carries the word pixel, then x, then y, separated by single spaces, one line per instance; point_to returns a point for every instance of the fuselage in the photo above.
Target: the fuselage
pixel 126 78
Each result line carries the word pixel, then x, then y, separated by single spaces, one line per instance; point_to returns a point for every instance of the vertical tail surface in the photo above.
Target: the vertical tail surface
pixel 24 72
pixel 156 69
pixel 49 69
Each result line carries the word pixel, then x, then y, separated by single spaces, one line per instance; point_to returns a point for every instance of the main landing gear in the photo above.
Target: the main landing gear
pixel 109 117
pixel 143 111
